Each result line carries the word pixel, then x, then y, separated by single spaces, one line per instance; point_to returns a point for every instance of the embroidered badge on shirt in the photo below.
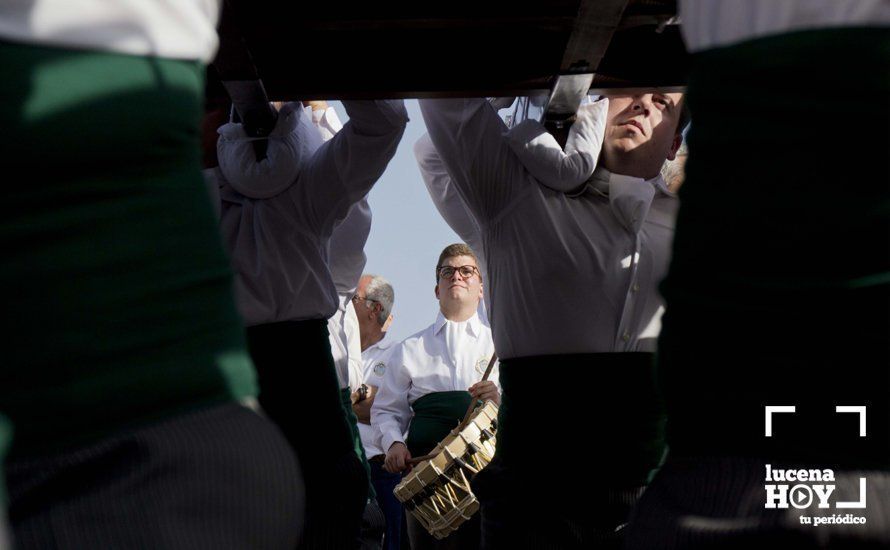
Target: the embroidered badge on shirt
pixel 379 369
pixel 481 365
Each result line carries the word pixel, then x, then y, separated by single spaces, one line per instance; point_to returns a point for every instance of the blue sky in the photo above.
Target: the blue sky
pixel 407 233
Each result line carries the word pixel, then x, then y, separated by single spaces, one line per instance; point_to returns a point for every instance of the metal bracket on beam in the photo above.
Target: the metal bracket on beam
pixel 242 82
pixel 565 97
pixel 251 102
pixel 594 26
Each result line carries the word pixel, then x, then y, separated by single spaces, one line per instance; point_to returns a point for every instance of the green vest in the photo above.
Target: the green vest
pixel 119 304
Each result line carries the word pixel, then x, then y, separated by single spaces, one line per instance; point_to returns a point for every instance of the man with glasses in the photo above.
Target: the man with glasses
pixel 373 302
pixel 573 266
pixel 434 375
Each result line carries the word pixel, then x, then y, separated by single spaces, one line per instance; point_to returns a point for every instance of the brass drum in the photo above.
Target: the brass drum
pixel 437 491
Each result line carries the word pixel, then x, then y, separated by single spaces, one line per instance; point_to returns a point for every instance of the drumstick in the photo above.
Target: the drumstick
pixel 463 424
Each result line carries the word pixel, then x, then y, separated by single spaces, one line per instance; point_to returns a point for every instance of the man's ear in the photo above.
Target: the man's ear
pixel 437 292
pixel 675 146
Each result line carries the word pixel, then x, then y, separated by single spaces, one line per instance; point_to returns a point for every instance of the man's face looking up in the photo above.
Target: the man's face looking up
pixel 641 133
pixel 456 288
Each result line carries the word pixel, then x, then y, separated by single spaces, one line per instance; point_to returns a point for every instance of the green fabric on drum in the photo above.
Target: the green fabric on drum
pixel 435 415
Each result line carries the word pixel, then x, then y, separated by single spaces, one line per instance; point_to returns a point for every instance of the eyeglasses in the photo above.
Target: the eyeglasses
pixel 356 299
pixel 447 271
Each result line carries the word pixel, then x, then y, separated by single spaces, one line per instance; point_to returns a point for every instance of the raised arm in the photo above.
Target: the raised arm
pixel 344 169
pixel 346 253
pixel 468 136
pixel 445 197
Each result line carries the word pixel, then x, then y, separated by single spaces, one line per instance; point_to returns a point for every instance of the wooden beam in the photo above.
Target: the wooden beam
pixel 591 35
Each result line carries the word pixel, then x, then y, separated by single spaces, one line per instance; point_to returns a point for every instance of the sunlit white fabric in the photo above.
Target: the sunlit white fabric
pixel 446 356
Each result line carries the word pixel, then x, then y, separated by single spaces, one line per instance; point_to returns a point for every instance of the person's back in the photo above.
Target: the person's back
pixel 574 253
pixel 777 295
pixel 278 216
pixel 127 356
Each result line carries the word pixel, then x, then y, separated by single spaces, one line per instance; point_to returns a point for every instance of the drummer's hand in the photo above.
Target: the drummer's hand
pixel 485 391
pixel 397 458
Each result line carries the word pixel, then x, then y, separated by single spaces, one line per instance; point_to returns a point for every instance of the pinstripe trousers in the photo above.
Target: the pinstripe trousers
pixel 217 478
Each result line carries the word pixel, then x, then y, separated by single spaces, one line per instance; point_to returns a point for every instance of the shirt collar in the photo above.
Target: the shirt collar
pixel 629 197
pixel 473 323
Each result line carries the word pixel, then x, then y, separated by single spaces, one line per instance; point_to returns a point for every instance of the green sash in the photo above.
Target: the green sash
pixel 346 400
pixel 119 306
pixel 435 415
pixel 779 286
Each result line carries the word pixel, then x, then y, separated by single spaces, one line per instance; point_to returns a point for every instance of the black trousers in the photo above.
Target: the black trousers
pixel 300 392
pixel 528 501
pixel 220 477
pixel 516 518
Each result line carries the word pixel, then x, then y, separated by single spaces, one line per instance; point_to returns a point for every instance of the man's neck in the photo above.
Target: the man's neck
pixel 371 339
pixel 630 166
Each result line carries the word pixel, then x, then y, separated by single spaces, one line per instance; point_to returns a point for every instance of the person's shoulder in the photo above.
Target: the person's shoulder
pixel 385 345
pixel 417 338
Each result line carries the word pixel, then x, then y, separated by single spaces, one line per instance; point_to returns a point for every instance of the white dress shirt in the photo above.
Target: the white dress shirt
pixel 567 274
pixel 375 360
pixel 280 244
pixel 446 356
pixel 346 260
pixel 346 346
pixel 710 24
pixel 185 29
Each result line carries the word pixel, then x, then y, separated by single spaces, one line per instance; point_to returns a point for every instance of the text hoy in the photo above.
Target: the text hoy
pixel 802 495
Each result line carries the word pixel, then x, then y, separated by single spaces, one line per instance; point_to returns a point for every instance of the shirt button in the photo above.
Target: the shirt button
pixel 625 336
pixel 636 287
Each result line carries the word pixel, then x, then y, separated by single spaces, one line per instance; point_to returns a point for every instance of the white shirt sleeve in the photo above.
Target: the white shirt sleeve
pixel 468 135
pixel 445 197
pixel 344 169
pixel 391 411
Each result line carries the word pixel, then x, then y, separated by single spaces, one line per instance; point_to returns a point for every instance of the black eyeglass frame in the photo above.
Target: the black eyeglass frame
pixel 474 271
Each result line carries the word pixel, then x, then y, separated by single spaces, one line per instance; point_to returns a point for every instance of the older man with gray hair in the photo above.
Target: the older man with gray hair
pixel 373 302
